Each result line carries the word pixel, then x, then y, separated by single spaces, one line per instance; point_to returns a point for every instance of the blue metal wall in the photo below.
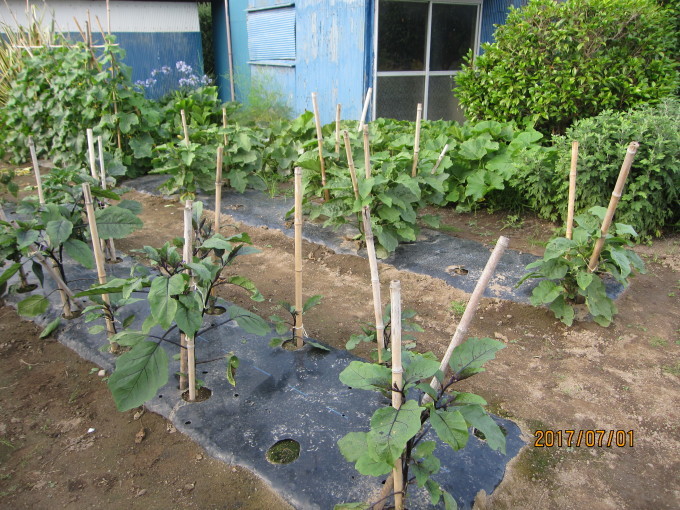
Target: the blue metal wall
pixel 495 12
pixel 239 47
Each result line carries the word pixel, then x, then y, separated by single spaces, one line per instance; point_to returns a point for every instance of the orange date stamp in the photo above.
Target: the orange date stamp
pixel 590 438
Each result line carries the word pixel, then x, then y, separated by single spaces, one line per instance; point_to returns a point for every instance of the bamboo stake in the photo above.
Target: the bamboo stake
pixel 367 153
pixel 440 158
pixel 338 110
pixel 109 244
pixel 397 384
pixel 98 257
pixel 88 27
pixel 319 139
pixel 185 127
pixel 572 189
pixel 471 308
pixel 108 17
pixel 367 101
pixel 36 170
pixel 350 162
pixel 298 328
pixel 613 203
pixel 90 150
pixel 416 144
pixel 218 187
pixel 187 258
pixel 224 125
pixel 375 281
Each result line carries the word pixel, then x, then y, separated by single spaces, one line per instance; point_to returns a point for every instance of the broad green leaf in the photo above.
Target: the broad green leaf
pixel 58 231
pixel 248 285
pixel 131 205
pixel 311 302
pixel 468 358
pixel 417 367
pixel 80 252
pixel 450 426
pixel 316 345
pixel 138 376
pixel 387 240
pixel 9 272
pixel 25 238
pixel 249 321
pixel 562 310
pixel 620 256
pixel 583 279
pixel 189 315
pixel 126 121
pixel 558 247
pixel 353 446
pixel 431 220
pixel 624 229
pixel 366 376
pixel 449 502
pixel 434 491
pixel 479 419
pixel 116 222
pixel 474 148
pixel 353 506
pixel 217 242
pixel 546 292
pixel 202 273
pixel 468 398
pixel 163 306
pixel 391 429
pixel 128 338
pixel 368 466
pixel 33 305
pixel 142 146
pixel 365 187
pixel 49 329
pixel 390 214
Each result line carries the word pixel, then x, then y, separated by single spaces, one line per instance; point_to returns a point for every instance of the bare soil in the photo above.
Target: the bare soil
pixel 550 377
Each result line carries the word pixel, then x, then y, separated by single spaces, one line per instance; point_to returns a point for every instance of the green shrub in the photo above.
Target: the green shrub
pixel 553 63
pixel 652 192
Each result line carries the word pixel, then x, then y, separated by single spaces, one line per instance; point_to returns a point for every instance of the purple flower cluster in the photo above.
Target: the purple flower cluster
pixel 187 78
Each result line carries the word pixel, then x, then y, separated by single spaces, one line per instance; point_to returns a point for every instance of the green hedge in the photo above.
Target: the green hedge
pixel 651 197
pixel 555 62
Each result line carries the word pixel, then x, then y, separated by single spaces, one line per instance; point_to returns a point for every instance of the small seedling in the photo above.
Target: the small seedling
pixel 287 328
pixel 458 307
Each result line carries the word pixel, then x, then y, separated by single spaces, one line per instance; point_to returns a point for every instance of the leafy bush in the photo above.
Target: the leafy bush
pixel 555 62
pixel 565 268
pixel 650 197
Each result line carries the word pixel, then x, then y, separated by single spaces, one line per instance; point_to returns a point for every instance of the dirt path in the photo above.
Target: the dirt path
pixel 550 377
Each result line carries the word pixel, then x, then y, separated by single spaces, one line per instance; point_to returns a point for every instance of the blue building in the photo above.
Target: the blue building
pixel 406 52
pixel 152 33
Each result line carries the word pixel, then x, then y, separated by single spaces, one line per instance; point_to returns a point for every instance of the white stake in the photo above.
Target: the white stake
pixel 397 383
pixel 36 170
pixel 367 101
pixel 90 150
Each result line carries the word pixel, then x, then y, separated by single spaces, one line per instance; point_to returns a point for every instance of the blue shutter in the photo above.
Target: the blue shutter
pixel 271 34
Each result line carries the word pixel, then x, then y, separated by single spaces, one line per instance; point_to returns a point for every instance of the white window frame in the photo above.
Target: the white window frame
pixel 426 72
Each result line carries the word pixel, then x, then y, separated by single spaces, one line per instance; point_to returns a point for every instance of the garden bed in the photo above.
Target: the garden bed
pixel 550 376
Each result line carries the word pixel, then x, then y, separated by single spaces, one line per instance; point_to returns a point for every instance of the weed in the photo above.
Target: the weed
pixel 657 341
pixel 513 221
pixel 6 442
pixel 458 307
pixel 672 369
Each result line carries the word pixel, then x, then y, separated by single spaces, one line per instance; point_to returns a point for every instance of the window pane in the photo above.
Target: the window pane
pixel 398 96
pixel 441 102
pixel 402 36
pixel 453 32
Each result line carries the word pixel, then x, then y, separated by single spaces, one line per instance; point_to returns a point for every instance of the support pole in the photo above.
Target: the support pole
pixel 613 203
pixel 232 90
pixel 187 257
pixel 367 101
pixel 397 384
pixel 185 128
pixel 471 308
pixel 36 170
pixel 440 158
pixel 375 282
pixel 572 190
pixel 416 143
pixel 298 328
pixel 90 151
pixel 367 153
pixel 350 163
pixel 338 110
pixel 98 258
pixel 319 139
pixel 218 188
pixel 109 244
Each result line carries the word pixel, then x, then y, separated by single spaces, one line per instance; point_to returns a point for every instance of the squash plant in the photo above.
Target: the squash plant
pixel 565 274
pixel 401 435
pixel 178 297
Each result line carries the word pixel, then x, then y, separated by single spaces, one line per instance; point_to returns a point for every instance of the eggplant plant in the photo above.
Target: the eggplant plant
pixel 403 435
pixel 566 277
pixel 178 296
pixel 287 328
